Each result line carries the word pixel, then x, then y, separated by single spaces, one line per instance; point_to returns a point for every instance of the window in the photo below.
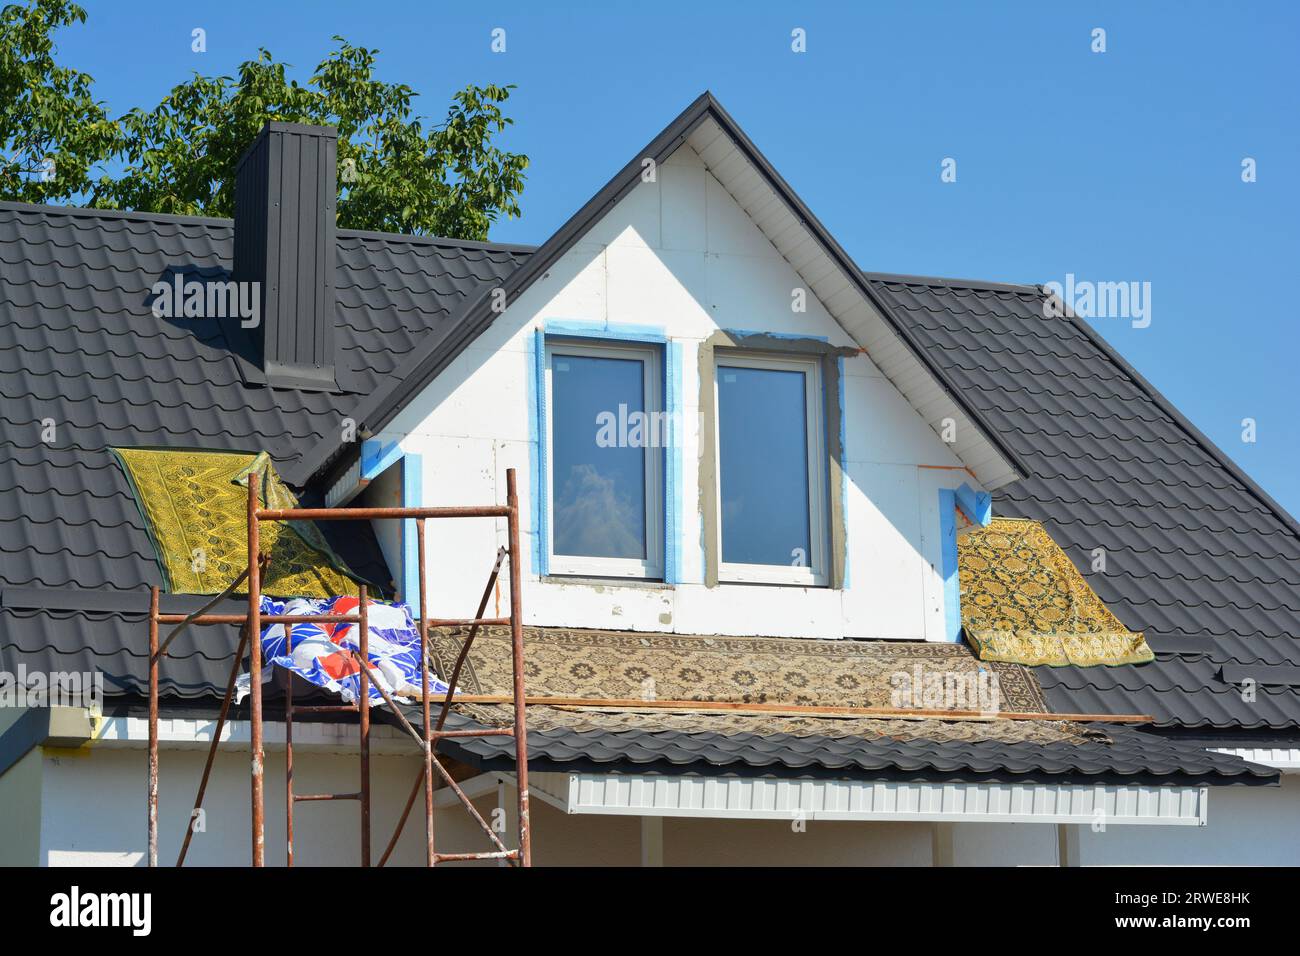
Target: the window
pixel 605 450
pixel 771 469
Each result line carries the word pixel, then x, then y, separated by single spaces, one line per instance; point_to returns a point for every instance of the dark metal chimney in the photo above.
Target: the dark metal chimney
pixel 285 198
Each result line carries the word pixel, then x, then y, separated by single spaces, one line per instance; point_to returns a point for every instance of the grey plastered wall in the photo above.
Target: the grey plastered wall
pixel 829 356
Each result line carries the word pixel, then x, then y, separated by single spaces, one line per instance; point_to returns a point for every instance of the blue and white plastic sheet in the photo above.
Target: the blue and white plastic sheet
pixel 324 654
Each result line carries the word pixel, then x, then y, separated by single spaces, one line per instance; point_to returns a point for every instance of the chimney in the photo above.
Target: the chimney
pixel 285 241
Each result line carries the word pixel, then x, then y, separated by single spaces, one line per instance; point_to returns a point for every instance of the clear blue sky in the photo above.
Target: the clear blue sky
pixel 1124 165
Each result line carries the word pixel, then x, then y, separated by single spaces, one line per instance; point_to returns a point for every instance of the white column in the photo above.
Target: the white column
pixel 652 841
pixel 1067 844
pixel 941 844
pixel 507 802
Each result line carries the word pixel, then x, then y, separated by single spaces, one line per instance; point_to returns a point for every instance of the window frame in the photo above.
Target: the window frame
pixel 815 574
pixel 650 568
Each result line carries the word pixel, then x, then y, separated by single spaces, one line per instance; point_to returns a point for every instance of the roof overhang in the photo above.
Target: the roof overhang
pixel 188 733
pixel 792 229
pixel 1286 759
pixel 767 798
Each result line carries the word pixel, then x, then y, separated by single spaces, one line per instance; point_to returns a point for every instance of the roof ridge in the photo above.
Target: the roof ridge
pixel 1121 364
pixel 93 212
pixel 975 285
pixel 1182 422
pixel 488 246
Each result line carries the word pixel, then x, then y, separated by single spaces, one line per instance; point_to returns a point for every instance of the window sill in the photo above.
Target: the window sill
pixel 802 585
pixel 770 574
pixel 618 582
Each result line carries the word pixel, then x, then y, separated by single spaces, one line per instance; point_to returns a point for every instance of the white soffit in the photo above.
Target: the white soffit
pixel 189 733
pixel 766 798
pixel 845 301
pixel 1286 759
pixel 347 487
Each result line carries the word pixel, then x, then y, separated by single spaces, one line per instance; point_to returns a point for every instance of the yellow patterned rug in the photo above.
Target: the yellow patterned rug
pixel 1023 601
pixel 195 506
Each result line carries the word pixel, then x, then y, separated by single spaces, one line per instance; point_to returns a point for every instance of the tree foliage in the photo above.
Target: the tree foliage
pixel 396 172
pixel 52 131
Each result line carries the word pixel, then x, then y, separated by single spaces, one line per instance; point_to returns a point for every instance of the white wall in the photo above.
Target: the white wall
pixel 20 811
pixel 92 812
pixel 1249 826
pixel 680 254
pixel 1255 826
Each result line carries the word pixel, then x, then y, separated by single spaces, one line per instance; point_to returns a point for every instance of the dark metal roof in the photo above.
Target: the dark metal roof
pixel 81 349
pixel 1131 757
pixel 1197 555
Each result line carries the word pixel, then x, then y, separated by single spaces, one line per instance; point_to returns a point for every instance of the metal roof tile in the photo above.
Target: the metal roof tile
pixel 80 345
pixel 1130 753
pixel 1194 550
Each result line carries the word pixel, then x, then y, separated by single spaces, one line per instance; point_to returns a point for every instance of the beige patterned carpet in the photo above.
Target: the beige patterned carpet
pixel 564 662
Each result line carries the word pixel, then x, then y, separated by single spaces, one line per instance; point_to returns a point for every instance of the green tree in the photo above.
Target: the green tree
pixel 395 175
pixel 52 131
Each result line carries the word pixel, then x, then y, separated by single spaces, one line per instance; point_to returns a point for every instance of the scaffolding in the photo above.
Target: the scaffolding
pixel 427 739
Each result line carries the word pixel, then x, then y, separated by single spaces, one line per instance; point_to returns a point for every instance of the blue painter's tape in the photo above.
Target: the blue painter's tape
pixel 844 466
pixel 976 505
pixel 538 416
pixel 376 456
pixel 951 584
pixel 617 331
pixel 673 477
pixel 572 327
pixel 412 497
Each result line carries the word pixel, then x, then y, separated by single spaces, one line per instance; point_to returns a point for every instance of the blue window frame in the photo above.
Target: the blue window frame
pixel 605 451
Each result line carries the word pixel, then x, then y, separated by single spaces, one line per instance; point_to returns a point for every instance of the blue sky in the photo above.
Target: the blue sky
pixel 1115 166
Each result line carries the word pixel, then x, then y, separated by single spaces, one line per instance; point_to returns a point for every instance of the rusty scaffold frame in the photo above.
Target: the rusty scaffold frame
pixel 250 630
